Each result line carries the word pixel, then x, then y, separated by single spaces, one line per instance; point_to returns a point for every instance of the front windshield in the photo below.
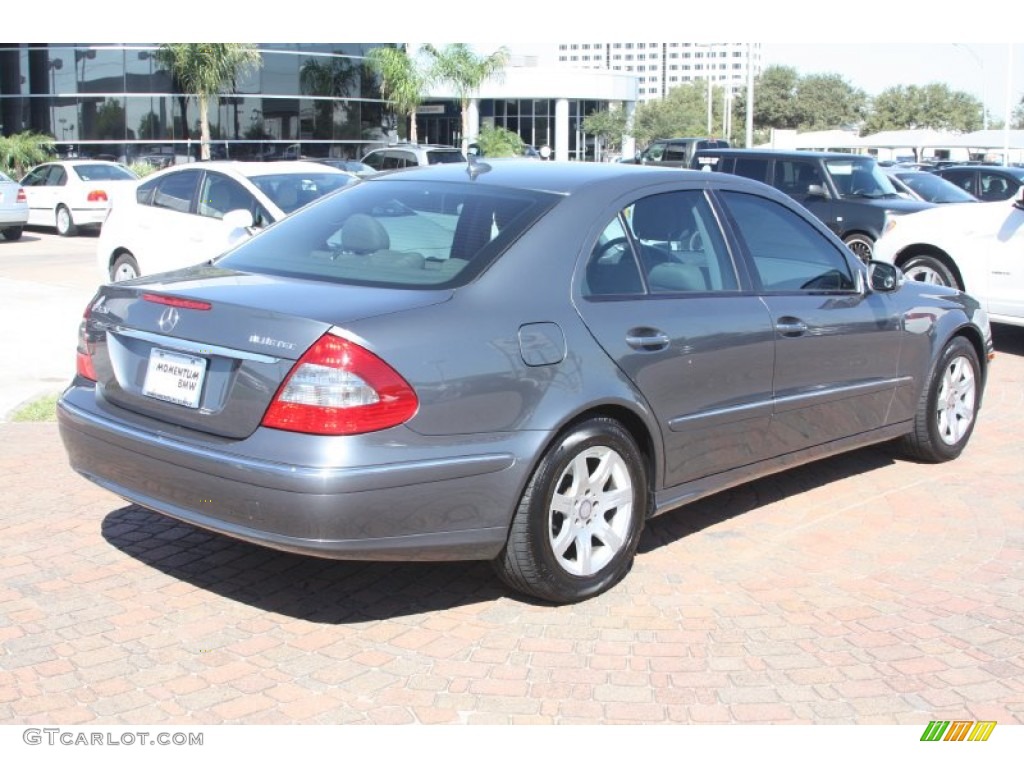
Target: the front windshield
pixel 860 178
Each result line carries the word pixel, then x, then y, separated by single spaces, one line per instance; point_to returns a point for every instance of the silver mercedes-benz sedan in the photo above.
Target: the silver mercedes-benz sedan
pixel 520 363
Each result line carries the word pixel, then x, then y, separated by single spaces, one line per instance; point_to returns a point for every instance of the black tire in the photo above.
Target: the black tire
pixel 64 222
pixel 862 246
pixel 13 233
pixel 576 530
pixel 930 269
pixel 125 268
pixel 947 410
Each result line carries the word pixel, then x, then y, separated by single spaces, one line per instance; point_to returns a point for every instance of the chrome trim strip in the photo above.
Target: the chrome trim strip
pixel 194 347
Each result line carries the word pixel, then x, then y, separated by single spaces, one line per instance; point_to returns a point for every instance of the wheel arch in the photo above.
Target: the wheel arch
pixel 924 249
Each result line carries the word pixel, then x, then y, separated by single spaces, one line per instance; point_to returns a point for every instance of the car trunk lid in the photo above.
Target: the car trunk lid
pixel 207 349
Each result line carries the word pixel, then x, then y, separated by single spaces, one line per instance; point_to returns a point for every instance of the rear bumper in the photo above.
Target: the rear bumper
pixel 455 505
pixel 89 217
pixel 13 218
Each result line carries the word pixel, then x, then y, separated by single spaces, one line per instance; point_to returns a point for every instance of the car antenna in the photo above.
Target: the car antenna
pixel 474 167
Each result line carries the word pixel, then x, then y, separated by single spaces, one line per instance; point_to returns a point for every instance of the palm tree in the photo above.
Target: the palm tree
pixel 402 82
pixel 21 151
pixel 457 65
pixel 203 69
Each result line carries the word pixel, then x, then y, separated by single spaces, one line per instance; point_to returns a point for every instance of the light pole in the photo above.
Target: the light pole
pixel 981 64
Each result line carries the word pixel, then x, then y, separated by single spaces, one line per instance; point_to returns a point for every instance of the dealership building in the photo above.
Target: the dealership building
pixel 317 99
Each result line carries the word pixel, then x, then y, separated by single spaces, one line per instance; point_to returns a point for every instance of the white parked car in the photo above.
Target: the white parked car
pixel 13 208
pixel 186 215
pixel 976 248
pixel 70 194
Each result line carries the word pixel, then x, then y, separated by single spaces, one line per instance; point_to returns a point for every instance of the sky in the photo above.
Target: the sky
pixel 872 44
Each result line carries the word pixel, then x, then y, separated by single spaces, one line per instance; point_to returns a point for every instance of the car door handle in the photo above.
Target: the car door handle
pixel 647 339
pixel 791 326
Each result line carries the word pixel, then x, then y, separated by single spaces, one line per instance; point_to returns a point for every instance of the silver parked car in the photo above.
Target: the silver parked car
pixel 519 363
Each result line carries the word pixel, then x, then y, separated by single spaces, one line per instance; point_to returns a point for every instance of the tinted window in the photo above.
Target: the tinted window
pixel 681 248
pixel 175 191
pixel 612 268
pixel 859 178
pixel 57 177
pixel 395 234
pixel 752 167
pixel 995 186
pixel 788 253
pixel 962 179
pixel 221 194
pixel 435 156
pixel 794 177
pixel 375 160
pixel 36 177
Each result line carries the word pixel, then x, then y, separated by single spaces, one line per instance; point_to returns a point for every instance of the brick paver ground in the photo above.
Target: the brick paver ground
pixel 861 589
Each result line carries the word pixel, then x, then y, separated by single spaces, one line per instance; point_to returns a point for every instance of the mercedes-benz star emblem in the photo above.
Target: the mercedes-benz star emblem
pixel 168 319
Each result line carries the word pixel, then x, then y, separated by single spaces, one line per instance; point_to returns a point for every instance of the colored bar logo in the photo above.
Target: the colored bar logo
pixel 958 730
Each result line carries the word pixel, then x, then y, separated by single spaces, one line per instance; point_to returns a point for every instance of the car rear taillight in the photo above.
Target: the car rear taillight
pixel 339 388
pixel 97 196
pixel 83 355
pixel 22 198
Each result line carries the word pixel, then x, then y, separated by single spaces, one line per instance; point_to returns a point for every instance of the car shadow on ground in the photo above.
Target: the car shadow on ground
pixel 343 592
pixel 717 508
pixel 1008 339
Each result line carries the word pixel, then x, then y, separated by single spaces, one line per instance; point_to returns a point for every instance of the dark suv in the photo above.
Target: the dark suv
pixel 849 193
pixel 675 153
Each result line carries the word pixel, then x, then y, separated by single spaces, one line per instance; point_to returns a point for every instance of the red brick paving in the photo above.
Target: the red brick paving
pixel 861 589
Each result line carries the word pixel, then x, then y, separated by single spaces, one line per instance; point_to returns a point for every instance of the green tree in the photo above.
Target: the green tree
pixel 608 126
pixel 827 101
pixel 204 69
pixel 933 106
pixel 775 102
pixel 20 151
pixel 402 82
pixel 459 66
pixel 683 112
pixel 495 141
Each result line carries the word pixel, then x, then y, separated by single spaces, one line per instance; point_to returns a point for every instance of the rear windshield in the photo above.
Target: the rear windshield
pixel 394 233
pixel 100 172
pixel 291 191
pixel 435 156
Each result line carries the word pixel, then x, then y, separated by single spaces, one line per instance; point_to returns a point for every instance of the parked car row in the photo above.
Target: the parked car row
pixel 521 365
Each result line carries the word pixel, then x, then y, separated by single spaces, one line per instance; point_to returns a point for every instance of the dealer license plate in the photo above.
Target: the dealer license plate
pixel 174 377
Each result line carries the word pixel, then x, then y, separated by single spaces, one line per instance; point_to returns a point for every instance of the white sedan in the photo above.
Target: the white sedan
pixel 976 248
pixel 13 208
pixel 69 194
pixel 188 214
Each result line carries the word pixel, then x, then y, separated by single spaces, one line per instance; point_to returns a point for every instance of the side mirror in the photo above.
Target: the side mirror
pixel 817 190
pixel 239 224
pixel 884 277
pixel 240 218
pixel 1018 198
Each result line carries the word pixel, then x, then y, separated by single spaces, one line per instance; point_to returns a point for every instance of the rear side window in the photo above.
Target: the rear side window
pixel 391 233
pixel 174 191
pixel 755 168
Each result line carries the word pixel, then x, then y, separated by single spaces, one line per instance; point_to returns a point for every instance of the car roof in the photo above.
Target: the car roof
pixel 250 169
pixel 1007 169
pixel 785 153
pixel 553 176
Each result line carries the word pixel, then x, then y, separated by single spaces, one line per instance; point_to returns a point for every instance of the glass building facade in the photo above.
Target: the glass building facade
pixel 118 101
